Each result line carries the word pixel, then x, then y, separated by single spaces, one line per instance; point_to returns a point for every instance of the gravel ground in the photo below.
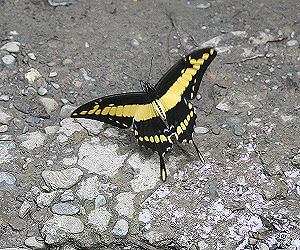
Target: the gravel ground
pixel 81 184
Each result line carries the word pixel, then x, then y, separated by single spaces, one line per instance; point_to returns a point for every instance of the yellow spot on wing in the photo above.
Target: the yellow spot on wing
pixel 188 118
pixel 156 139
pixel 112 111
pixel 191 71
pixel 135 132
pixel 205 56
pixel 105 111
pixel 186 122
pixel 141 138
pixel 146 138
pixel 163 138
pixel 75 114
pixel 179 130
pixel 83 112
pixel 163 174
pixel 119 111
pixel 193 61
pixel 187 76
pixel 200 61
pixel 211 51
pixel 151 139
pixel 196 66
pixel 98 112
pixel 190 105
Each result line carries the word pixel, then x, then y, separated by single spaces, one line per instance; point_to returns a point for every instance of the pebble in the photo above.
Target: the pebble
pixel 8 59
pixel 296 161
pixel 67 61
pixel 45 199
pixel 100 201
pixel 121 228
pixel 4 98
pixel 239 131
pixel 42 91
pixel 66 110
pixel 24 209
pixel 201 130
pixel 17 223
pixel 3 128
pixel 34 243
pixel 203 6
pixel 8 178
pixel 223 106
pixel 31 56
pixel 32 140
pixel 216 130
pixel 67 196
pixel 263 246
pixel 292 43
pixel 49 104
pixel 13 33
pixel 202 245
pixel 49 130
pixel 135 43
pixel 53 74
pixel 55 85
pixel 39 215
pixel 62 179
pixel 32 75
pixel 13 47
pixel 64 209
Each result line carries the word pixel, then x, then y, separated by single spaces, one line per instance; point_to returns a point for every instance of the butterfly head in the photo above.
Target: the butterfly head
pixel 146 86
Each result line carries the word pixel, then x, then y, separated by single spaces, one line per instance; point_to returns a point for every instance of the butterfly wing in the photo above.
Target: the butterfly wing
pixel 184 78
pixel 117 110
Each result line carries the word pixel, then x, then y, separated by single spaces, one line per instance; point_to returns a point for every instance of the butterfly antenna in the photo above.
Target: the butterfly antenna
pixel 198 152
pixel 163 172
pixel 150 69
pixel 139 80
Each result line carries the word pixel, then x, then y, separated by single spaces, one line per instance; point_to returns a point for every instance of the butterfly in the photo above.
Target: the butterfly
pixel 160 114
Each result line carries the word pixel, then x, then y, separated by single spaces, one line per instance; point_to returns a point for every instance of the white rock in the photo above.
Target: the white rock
pixel 145 216
pixel 89 188
pixel 49 130
pixel 292 43
pixel 49 103
pixel 13 33
pixel 99 218
pixel 8 59
pixel 4 98
pixel 62 138
pixel 32 140
pixel 3 128
pixel 32 75
pixel 125 204
pixel 34 243
pixel 62 223
pixel 24 209
pixel 69 126
pixel 201 130
pixel 53 74
pixel 100 158
pixel 92 126
pixel 13 47
pixel 45 199
pixel 70 161
pixel 121 228
pixel 67 196
pixel 223 106
pixel 5 116
pixel 31 56
pixel 203 5
pixel 62 179
pixel 7 178
pixel 100 201
pixel 42 91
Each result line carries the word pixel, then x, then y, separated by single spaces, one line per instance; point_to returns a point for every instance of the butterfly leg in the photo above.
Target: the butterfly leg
pixel 198 152
pixel 163 171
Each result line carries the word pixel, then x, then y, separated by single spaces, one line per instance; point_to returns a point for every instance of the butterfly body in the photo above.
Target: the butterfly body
pixel 160 113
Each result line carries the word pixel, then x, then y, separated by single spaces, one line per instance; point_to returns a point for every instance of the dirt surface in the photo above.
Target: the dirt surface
pixel 247 194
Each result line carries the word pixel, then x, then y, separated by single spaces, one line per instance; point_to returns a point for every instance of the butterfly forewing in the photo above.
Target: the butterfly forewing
pixel 117 110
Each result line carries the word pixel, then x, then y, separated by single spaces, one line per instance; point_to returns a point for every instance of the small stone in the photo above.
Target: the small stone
pixel 67 61
pixel 296 161
pixel 274 188
pixel 13 47
pixel 6 179
pixel 203 5
pixel 8 59
pixel 13 33
pixel 135 43
pixel 273 169
pixel 92 126
pixel 239 131
pixel 201 130
pixel 64 209
pixel 252 241
pixel 216 130
pixel 51 64
pixel 66 110
pixel 62 179
pixel 292 43
pixel 100 201
pixel 49 104
pixel 45 199
pixel 32 75
pixel 241 180
pixel 263 246
pixel 3 128
pixel 31 56
pixel 32 140
pixel 24 209
pixel 53 74
pixel 121 228
pixel 34 243
pixel 49 130
pixel 17 223
pixel 223 106
pixel 67 196
pixel 202 245
pixel 55 85
pixel 39 215
pixel 145 216
pixel 86 44
pixel 4 98
pixel 99 218
pixel 42 91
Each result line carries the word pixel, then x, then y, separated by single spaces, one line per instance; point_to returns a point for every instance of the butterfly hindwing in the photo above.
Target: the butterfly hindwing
pixel 184 78
pixel 117 110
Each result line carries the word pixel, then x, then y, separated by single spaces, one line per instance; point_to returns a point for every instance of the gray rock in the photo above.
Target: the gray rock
pixel 201 130
pixel 49 130
pixel 49 104
pixel 13 47
pixel 203 5
pixel 67 61
pixel 45 199
pixel 31 56
pixel 62 179
pixel 53 74
pixel 296 161
pixel 66 110
pixel 7 178
pixel 34 243
pixel 239 130
pixel 125 204
pixel 92 126
pixel 42 91
pixel 5 116
pixel 99 218
pixel 64 209
pixel 121 228
pixel 3 128
pixel 8 59
pixel 4 98
pixel 223 105
pixel 135 43
pixel 273 169
pixel 17 223
pixel 54 227
pixel 69 126
pixel 292 43
pixel 55 85
pixel 67 196
pixel 32 75
pixel 24 209
pixel 274 188
pixel 39 215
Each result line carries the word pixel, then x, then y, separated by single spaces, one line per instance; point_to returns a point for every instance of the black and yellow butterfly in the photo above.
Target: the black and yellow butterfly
pixel 160 113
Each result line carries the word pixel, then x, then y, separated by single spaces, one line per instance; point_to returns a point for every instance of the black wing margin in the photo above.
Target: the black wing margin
pixel 185 76
pixel 117 110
